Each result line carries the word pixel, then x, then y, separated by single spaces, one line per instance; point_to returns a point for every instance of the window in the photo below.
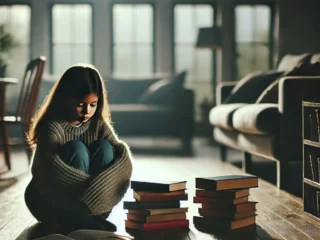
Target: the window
pixel 253 38
pixel 71 40
pixel 188 18
pixel 133 39
pixel 17 19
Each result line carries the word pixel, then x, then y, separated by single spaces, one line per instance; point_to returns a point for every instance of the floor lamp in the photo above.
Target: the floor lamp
pixel 211 38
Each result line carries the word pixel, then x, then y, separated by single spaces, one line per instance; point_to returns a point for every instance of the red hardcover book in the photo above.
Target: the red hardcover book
pixel 219 200
pixel 156 225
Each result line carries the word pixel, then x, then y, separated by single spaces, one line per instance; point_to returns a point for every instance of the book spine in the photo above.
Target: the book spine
pixel 318 165
pixel 313 128
pixel 151 205
pixel 166 225
pixel 312 176
pixel 149 187
pixel 317 125
pixel 317 203
pixel 144 198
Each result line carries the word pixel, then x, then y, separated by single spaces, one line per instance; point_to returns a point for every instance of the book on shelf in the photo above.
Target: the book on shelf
pixel 223 224
pixel 158 185
pixel 226 214
pixel 230 194
pixel 318 166
pixel 87 234
pixel 314 124
pixel 157 218
pixel 150 205
pixel 227 182
pixel 157 225
pixel 155 197
pixel 311 164
pixel 241 207
pixel 317 203
pixel 153 212
pixel 220 200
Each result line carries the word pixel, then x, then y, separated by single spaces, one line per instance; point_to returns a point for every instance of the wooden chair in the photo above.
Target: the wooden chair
pixel 26 107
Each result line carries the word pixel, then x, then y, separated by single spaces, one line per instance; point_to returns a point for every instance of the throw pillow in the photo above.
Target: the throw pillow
pixel 270 94
pixel 164 91
pixel 290 61
pixel 249 88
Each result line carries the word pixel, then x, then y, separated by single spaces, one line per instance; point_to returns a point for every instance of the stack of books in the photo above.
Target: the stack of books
pixel 157 205
pixel 225 202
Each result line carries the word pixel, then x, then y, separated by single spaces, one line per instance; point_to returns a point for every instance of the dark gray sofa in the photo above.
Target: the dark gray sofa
pixel 152 107
pixel 261 115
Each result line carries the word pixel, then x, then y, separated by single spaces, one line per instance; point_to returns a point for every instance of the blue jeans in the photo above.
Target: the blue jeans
pixel 97 157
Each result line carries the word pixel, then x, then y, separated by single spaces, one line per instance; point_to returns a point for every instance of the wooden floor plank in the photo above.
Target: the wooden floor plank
pixel 280 215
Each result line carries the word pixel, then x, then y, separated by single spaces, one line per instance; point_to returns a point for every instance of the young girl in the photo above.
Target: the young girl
pixel 80 169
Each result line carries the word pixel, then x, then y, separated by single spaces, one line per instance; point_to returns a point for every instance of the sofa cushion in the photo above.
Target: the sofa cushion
pixel 226 137
pixel 262 119
pixel 289 61
pixel 262 145
pixel 164 92
pixel 249 88
pixel 271 93
pixel 124 91
pixel 315 58
pixel 221 115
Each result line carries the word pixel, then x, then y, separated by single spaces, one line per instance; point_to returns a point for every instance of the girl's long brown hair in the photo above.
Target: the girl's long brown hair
pixel 76 82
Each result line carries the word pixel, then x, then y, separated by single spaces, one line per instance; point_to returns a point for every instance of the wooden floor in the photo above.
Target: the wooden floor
pixel 280 215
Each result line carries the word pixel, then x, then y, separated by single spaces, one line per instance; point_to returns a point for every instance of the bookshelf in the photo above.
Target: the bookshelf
pixel 311 157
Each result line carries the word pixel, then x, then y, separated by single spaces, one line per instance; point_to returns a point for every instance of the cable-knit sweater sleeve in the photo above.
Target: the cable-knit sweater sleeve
pixel 109 187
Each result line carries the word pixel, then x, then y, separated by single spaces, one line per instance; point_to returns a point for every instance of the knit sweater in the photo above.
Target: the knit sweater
pixel 69 188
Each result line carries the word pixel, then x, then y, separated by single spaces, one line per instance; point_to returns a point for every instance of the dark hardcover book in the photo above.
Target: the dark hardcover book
pixel 157 225
pixel 318 165
pixel 157 218
pixel 158 186
pixel 220 200
pixel 312 167
pixel 154 198
pixel 227 182
pixel 317 203
pixel 241 207
pixel 226 214
pixel 313 127
pixel 153 212
pixel 223 224
pixel 150 205
pixel 228 194
pixel 317 125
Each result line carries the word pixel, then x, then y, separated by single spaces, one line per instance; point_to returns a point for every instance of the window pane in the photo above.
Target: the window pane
pixel 123 55
pixel 72 35
pixel 133 39
pixel 82 22
pixel 144 24
pixel 122 23
pixel 262 20
pixel 144 65
pixel 184 23
pixel 62 23
pixel 252 58
pixel 188 18
pixel 203 70
pixel 62 58
pixel 82 53
pixel 252 38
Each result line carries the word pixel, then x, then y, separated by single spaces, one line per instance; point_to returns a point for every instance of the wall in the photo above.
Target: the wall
pixel 299 29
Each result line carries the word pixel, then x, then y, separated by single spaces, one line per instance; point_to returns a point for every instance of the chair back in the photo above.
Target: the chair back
pixel 30 90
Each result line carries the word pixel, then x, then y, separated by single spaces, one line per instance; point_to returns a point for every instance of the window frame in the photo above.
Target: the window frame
pixel 112 44
pixel 214 56
pixel 51 29
pixel 272 8
pixel 30 33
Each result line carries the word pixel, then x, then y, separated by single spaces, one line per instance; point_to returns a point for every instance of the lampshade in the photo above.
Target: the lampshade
pixel 210 37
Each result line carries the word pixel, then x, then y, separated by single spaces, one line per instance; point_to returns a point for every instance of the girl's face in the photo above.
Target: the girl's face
pixel 82 110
